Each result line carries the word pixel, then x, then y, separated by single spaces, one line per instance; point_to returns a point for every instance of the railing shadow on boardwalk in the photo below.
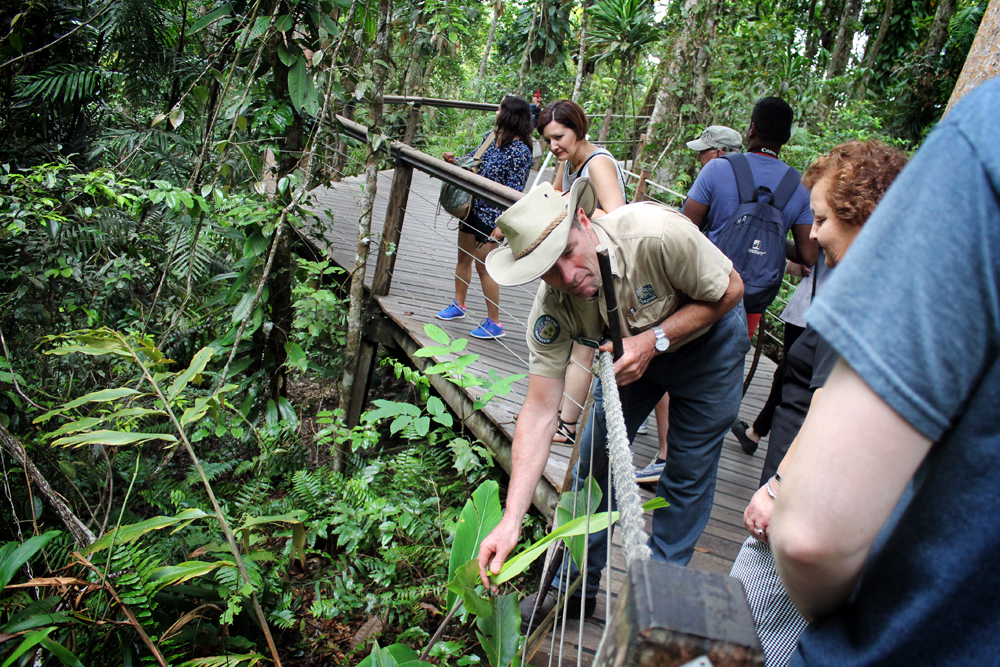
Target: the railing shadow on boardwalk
pixel 423 283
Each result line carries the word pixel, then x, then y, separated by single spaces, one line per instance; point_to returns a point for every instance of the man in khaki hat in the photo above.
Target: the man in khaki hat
pixel 716 141
pixel 685 333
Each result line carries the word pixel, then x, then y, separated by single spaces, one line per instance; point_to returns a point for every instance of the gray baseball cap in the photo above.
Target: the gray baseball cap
pixel 718 136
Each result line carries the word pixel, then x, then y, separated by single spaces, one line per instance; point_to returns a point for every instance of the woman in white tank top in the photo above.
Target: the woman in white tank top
pixel 563 124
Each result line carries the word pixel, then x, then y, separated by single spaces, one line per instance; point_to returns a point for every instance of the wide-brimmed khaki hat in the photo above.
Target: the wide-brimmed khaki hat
pixel 537 229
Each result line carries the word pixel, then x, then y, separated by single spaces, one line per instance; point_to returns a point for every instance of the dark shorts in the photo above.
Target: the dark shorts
pixel 473 225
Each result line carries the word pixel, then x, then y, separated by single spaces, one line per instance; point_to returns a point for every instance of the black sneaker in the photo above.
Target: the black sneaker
pixel 739 429
pixel 572 608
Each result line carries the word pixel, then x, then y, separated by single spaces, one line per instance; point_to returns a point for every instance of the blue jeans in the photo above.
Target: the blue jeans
pixel 705 381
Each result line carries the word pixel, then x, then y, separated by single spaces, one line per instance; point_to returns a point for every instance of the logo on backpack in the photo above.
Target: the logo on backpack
pixel 755 248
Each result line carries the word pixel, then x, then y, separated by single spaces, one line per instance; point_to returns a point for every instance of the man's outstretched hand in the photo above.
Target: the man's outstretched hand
pixel 494 549
pixel 639 351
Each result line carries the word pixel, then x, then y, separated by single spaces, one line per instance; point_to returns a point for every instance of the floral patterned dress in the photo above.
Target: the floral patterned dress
pixel 508 166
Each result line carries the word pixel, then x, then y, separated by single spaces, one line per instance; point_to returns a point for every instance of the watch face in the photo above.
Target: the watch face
pixel 662 344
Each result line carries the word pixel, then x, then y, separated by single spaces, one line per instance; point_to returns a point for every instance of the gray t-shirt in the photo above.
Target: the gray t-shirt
pixel 584 172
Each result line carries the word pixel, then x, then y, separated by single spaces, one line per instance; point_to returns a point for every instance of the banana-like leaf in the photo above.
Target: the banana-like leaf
pixel 401 653
pixel 110 438
pixel 134 531
pixel 65 656
pixel 30 641
pixel 480 515
pixel 14 555
pixel 192 372
pixel 520 562
pixel 464 584
pixel 172 575
pixel 566 512
pixel 498 633
pixel 101 396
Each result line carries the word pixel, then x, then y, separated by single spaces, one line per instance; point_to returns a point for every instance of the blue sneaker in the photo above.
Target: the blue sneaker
pixel 650 474
pixel 488 329
pixel 452 312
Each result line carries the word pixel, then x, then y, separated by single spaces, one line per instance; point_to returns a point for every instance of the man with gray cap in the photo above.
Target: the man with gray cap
pixel 684 333
pixel 716 141
pixel 715 196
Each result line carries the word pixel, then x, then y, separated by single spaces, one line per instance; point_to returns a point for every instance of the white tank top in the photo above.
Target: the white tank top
pixel 584 171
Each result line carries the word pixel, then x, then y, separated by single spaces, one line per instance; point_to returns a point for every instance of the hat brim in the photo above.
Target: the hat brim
pixel 698 145
pixel 507 271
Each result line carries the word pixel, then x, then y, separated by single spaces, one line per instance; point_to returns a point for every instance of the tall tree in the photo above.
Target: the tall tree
pixel 938 33
pixel 841 53
pixel 873 47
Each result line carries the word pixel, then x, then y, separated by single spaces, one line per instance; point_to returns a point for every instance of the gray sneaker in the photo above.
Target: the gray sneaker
pixel 650 474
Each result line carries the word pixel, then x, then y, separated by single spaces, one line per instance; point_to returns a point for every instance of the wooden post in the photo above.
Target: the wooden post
pixel 640 189
pixel 637 158
pixel 395 211
pixel 672 616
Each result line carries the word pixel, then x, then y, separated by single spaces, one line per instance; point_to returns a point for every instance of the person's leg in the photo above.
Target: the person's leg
pixel 463 270
pixel 638 399
pixel 490 288
pixel 762 425
pixel 662 412
pixel 705 381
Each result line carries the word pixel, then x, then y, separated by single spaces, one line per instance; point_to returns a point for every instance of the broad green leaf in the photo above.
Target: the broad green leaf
pixel 79 425
pixel 566 512
pixel 198 364
pixel 458 345
pixel 101 396
pixel 301 89
pixel 481 514
pixel 157 119
pixel 295 517
pixel 228 660
pixel 437 334
pixel 243 307
pixel 498 633
pixel 296 356
pixel 65 656
pixel 385 409
pixel 521 561
pixel 402 654
pixel 172 575
pixel 432 351
pixel 286 56
pixel 14 555
pixel 211 17
pixel 134 531
pixel 110 438
pixel 201 405
pixel 463 585
pixel 30 641
pixel 176 116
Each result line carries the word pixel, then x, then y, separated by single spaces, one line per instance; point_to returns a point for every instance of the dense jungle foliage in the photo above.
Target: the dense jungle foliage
pixel 179 483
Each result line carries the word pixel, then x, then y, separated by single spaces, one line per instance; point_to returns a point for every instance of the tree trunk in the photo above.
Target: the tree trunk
pixel 983 61
pixel 938 34
pixel 381 54
pixel 76 527
pixel 581 56
pixel 845 39
pixel 497 11
pixel 871 52
pixel 827 28
pixel 526 58
pixel 811 31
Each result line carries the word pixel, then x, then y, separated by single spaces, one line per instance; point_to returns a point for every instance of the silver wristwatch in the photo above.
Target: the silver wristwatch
pixel 662 343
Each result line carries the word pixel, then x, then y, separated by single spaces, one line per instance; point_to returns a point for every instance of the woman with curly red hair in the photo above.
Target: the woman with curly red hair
pixel 846 185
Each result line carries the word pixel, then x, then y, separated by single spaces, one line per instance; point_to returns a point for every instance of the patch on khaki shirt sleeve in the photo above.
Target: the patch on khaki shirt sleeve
pixel 546 329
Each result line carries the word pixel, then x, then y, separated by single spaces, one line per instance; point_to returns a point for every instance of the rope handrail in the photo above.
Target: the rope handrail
pixel 478 186
pixel 655 184
pixel 438 102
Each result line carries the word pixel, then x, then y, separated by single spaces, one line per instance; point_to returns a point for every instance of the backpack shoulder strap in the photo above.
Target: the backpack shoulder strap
pixel 487 142
pixel 744 177
pixel 786 188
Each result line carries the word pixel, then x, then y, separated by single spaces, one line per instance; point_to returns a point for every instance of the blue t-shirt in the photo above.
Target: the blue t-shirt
pixel 716 188
pixel 925 336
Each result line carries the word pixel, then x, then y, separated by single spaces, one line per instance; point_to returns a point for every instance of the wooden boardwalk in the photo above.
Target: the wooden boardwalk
pixel 423 283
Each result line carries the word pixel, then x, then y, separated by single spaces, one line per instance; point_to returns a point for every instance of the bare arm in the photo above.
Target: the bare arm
pixel 532 440
pixel 557 177
pixel 695 211
pixel 690 317
pixel 852 461
pixel 604 176
pixel 804 250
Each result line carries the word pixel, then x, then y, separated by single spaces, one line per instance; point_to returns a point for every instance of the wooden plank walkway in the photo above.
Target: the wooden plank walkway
pixel 423 283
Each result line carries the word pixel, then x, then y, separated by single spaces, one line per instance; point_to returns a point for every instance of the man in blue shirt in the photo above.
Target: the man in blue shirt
pixel 886 530
pixel 714 197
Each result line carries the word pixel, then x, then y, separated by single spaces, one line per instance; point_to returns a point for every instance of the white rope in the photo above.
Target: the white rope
pixel 634 536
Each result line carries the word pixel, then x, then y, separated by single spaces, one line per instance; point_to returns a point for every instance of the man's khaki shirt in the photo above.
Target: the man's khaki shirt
pixel 660 261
